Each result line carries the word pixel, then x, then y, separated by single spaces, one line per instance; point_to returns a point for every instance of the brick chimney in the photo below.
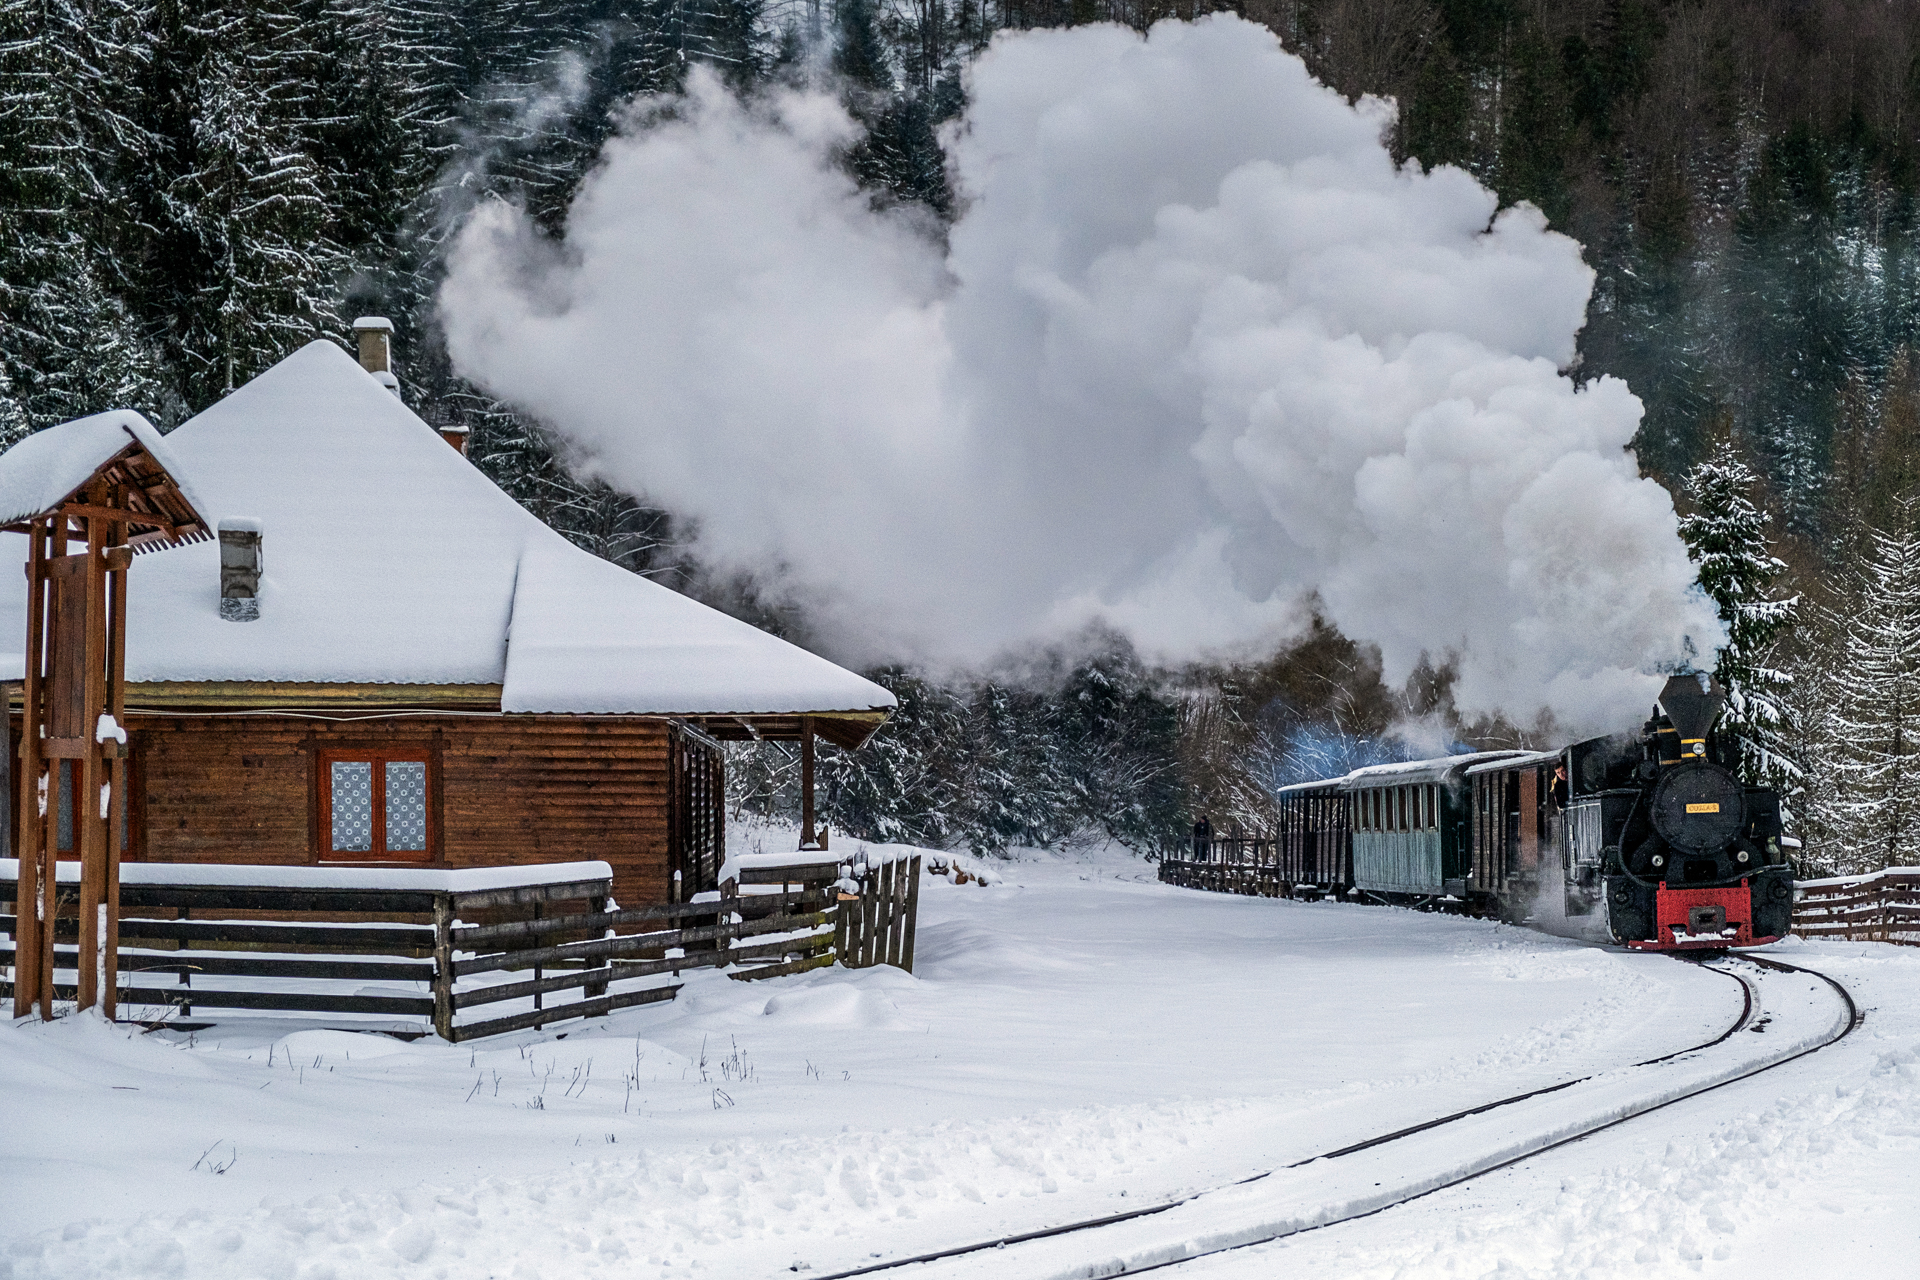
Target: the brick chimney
pixel 374 336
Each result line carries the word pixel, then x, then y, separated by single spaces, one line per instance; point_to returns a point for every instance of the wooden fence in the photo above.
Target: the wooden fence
pixel 452 942
pixel 1882 907
pixel 1233 864
pixel 879 902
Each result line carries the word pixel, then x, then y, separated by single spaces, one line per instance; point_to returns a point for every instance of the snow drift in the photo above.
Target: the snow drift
pixel 1194 348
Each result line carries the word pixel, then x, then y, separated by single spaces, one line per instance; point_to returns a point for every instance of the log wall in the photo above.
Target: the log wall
pixel 503 790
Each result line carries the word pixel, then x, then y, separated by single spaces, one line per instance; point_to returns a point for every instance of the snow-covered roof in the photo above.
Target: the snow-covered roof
pixel 390 559
pixel 44 469
pixel 1319 784
pixel 1405 771
pixel 1518 760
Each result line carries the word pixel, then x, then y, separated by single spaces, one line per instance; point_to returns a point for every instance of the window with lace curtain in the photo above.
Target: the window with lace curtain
pixel 374 806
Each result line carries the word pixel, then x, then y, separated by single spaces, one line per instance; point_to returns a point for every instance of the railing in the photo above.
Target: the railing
pixel 1231 864
pixel 308 939
pixel 1881 907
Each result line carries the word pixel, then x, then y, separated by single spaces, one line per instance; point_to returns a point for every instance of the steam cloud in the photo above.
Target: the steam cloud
pixel 1194 348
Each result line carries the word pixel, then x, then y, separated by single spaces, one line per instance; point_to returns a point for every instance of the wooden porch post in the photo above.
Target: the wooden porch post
pixel 32 977
pixel 89 813
pixel 807 838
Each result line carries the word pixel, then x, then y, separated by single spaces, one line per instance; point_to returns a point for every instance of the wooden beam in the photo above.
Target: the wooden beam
pixel 32 942
pixel 807 838
pixel 254 695
pixel 78 510
pixel 89 774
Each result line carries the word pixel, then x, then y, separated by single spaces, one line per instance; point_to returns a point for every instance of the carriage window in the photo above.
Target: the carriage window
pixel 374 806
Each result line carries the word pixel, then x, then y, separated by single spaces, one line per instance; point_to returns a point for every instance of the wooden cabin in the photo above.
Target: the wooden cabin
pixel 382 659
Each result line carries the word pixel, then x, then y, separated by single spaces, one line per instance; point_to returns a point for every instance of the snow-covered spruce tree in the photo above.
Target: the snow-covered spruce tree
pixel 1814 741
pixel 13 418
pixel 68 345
pixel 1726 534
pixel 238 267
pixel 1876 716
pixel 899 787
pixel 1122 738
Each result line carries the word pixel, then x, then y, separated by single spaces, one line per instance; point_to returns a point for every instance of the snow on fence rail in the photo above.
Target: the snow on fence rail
pixel 1881 907
pixel 442 944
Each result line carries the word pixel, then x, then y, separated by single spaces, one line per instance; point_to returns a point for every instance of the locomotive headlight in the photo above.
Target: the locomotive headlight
pixel 1659 859
pixel 1741 856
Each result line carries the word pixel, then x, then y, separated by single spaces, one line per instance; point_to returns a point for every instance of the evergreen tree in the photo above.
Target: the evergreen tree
pixel 1876 718
pixel 899 787
pixel 68 346
pixel 237 269
pixel 13 418
pixel 1726 535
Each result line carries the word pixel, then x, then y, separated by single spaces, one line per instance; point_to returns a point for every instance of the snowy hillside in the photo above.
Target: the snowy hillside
pixel 1078 1039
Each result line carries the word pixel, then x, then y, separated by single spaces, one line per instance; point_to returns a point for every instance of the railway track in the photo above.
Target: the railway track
pixel 1382 1172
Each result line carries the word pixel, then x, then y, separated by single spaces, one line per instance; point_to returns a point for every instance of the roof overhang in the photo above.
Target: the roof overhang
pixel 848 729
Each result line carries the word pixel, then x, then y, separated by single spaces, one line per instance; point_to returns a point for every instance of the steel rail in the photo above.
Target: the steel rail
pixel 1854 1018
pixel 1146 1211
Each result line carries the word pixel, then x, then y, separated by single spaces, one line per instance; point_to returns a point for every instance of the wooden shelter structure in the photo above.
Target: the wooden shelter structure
pixel 381 660
pixel 87 495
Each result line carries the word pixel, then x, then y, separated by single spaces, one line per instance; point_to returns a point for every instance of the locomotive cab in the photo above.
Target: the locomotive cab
pixel 1693 857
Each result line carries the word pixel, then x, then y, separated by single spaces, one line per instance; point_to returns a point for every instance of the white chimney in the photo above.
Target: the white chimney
pixel 240 570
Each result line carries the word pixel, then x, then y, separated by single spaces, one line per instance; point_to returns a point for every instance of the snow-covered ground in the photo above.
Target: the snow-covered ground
pixel 1078 1039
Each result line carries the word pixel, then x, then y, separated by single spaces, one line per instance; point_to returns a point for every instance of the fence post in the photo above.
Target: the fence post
pixel 596 989
pixel 869 913
pixel 913 913
pixel 896 908
pixel 443 965
pixel 844 906
pixel 723 923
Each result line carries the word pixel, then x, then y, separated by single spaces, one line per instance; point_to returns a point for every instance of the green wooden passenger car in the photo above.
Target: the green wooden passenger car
pixel 1412 826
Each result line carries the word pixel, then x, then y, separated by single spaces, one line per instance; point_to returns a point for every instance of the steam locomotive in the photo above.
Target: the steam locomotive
pixel 1649 839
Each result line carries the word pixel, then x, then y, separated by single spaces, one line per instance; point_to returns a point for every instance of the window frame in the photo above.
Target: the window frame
pixel 421 753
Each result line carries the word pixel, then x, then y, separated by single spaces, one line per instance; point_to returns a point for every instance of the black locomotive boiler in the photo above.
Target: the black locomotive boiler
pixel 1648 839
pixel 1692 857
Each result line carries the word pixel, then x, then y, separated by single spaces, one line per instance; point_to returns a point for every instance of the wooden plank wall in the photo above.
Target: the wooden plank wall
pixel 506 790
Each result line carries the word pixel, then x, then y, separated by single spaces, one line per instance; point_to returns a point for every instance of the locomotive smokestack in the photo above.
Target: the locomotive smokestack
pixel 1692 702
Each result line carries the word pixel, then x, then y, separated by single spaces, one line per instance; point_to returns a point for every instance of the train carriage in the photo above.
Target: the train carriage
pixel 1313 842
pixel 1412 828
pixel 1513 829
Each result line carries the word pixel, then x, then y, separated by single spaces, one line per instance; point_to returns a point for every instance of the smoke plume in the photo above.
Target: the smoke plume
pixel 1194 348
